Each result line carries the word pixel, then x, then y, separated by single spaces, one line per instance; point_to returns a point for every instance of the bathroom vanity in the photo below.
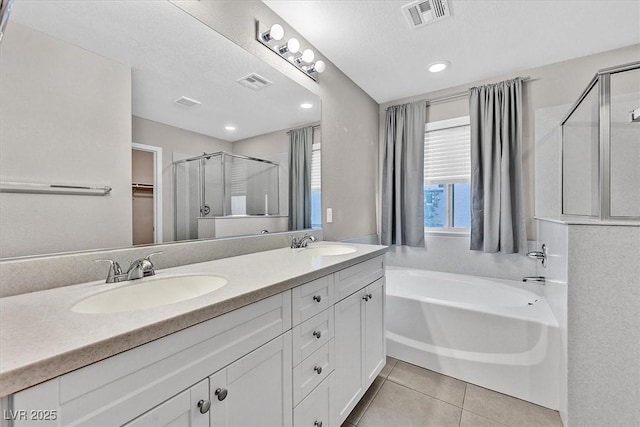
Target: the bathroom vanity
pixel 295 337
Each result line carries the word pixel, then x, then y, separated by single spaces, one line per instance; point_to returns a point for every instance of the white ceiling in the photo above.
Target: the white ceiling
pixel 172 55
pixel 371 42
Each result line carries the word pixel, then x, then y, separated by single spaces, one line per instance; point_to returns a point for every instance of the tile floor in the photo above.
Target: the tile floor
pixel 407 395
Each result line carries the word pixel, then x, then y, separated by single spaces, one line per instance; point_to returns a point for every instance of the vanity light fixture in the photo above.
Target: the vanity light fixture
pixel 438 66
pixel 230 128
pixel 306 105
pixel 290 50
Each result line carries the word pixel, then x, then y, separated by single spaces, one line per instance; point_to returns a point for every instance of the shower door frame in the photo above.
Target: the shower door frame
pixel 602 80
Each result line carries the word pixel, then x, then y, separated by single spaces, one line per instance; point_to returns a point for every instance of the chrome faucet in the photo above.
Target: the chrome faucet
pixel 540 255
pixel 138 269
pixel 302 242
pixel 537 279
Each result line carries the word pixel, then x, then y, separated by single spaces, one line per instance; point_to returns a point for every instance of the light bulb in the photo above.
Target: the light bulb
pixel 319 66
pixel 230 127
pixel 306 105
pixel 276 32
pixel 307 55
pixel 293 46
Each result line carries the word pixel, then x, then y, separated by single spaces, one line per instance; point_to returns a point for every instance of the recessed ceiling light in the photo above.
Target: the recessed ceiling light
pixel 306 105
pixel 230 127
pixel 436 67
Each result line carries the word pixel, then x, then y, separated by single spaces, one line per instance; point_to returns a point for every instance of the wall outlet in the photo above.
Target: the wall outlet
pixel 329 215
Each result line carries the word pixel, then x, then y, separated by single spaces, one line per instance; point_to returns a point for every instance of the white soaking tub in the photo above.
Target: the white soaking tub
pixel 498 334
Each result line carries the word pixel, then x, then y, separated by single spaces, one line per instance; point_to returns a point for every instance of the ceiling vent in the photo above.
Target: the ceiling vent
pixel 254 81
pixel 422 12
pixel 187 102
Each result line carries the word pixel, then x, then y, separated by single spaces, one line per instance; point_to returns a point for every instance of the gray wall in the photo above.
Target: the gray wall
pixel 349 118
pixel 552 85
pixel 52 93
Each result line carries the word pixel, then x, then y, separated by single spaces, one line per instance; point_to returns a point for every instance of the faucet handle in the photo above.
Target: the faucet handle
pixel 115 271
pixel 150 268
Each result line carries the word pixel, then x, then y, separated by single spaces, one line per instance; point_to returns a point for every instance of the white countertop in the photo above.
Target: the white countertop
pixel 41 338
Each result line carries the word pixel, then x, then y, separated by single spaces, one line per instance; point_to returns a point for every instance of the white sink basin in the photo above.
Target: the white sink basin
pixel 329 250
pixel 149 293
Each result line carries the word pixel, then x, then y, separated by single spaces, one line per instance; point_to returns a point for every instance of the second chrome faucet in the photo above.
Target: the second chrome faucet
pixel 138 269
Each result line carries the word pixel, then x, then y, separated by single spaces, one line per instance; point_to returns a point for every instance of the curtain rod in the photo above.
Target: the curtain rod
pixel 461 94
pixel 312 127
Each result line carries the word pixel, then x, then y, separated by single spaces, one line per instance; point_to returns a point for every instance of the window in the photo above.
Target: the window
pixel 316 208
pixel 447 175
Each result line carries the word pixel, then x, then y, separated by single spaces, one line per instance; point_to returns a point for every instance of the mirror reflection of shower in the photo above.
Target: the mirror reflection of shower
pixel 221 194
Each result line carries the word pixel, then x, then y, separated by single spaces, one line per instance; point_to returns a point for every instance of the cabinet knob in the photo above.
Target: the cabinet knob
pixel 221 393
pixel 317 298
pixel 317 424
pixel 317 334
pixel 365 297
pixel 204 406
pixel 318 369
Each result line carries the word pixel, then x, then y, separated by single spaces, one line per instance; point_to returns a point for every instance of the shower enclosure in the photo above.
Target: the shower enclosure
pixel 601 148
pixel 222 185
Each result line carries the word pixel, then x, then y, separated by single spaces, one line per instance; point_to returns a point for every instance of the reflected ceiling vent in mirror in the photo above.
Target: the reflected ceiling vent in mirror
pixel 254 81
pixel 273 38
pixel 422 12
pixel 187 102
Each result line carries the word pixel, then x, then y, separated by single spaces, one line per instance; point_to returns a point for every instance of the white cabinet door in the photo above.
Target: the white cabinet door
pixel 349 348
pixel 182 410
pixel 256 390
pixel 374 337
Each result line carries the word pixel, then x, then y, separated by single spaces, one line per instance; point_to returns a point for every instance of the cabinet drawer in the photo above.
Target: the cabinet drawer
pixel 311 298
pixel 312 334
pixel 356 277
pixel 314 410
pixel 308 374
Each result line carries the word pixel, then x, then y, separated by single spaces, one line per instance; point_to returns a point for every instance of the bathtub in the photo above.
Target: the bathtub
pixel 498 334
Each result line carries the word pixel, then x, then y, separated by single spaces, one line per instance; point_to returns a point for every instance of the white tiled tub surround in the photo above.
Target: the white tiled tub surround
pixel 499 334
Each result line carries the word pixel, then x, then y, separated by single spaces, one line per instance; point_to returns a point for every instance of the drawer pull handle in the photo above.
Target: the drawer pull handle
pixel 317 334
pixel 221 393
pixel 204 406
pixel 318 369
pixel 317 424
pixel 367 297
pixel 317 298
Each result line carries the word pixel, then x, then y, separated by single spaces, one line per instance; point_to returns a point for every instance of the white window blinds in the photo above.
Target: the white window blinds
pixel 447 151
pixel 315 167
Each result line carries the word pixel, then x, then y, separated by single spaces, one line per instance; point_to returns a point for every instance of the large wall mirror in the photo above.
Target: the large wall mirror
pixel 131 122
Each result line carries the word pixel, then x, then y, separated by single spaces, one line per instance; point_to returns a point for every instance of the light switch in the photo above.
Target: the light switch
pixel 329 215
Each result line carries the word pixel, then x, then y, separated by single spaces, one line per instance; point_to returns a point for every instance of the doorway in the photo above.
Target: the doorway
pixel 146 192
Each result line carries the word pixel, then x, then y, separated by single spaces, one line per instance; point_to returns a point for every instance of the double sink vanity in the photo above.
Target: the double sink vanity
pixel 275 338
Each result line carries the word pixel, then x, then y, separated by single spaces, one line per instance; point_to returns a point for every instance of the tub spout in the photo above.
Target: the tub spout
pixel 537 279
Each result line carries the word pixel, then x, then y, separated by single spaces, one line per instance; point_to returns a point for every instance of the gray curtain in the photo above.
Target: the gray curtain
pixel 300 146
pixel 497 214
pixel 403 176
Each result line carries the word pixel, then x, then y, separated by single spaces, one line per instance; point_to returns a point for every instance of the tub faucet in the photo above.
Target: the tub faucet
pixel 302 242
pixel 537 279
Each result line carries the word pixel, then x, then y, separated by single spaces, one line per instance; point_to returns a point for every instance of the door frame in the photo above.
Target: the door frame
pixel 157 187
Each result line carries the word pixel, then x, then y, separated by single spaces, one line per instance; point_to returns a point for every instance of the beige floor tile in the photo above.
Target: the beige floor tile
pixel 428 382
pixel 508 410
pixel 391 362
pixel 361 407
pixel 396 405
pixel 469 419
